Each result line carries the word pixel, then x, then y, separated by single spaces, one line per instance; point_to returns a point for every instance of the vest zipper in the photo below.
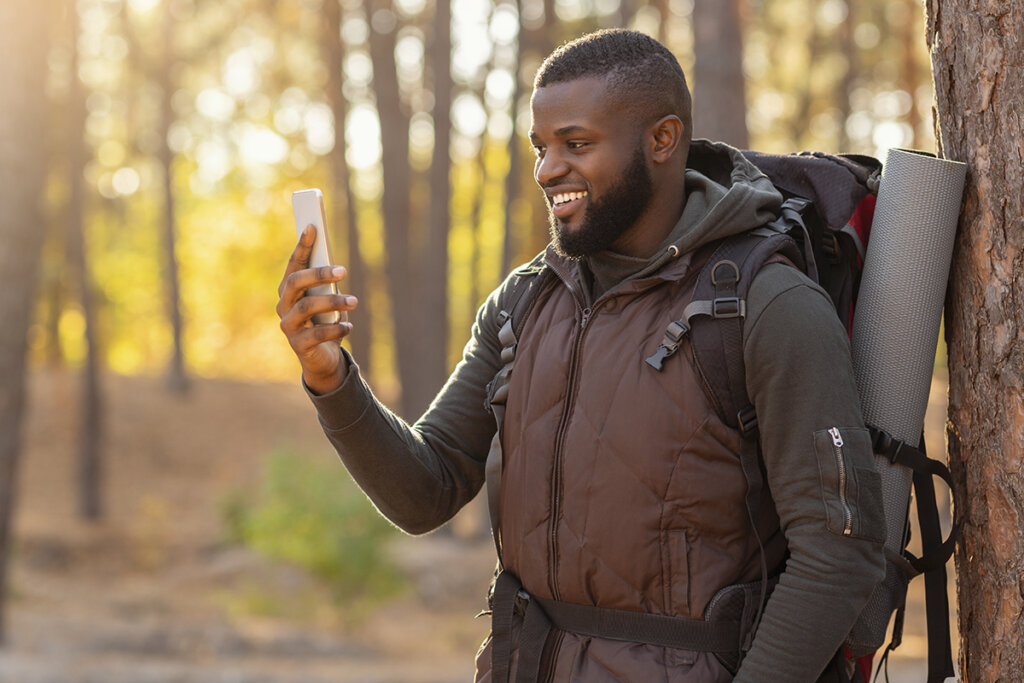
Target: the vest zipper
pixel 556 479
pixel 837 449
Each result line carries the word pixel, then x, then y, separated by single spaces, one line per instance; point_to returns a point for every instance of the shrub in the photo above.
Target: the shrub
pixel 311 514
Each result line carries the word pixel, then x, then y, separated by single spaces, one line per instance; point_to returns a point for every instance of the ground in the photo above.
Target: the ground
pixel 150 593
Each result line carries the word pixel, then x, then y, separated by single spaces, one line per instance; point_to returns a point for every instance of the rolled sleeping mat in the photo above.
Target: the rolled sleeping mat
pixel 895 332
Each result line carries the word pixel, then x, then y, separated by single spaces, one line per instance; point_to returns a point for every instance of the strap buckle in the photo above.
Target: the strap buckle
pixel 747 418
pixel 728 307
pixel 886 445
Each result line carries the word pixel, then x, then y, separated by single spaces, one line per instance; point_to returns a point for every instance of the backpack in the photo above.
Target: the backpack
pixel 823 229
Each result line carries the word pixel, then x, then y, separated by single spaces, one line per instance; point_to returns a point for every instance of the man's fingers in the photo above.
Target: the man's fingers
pixel 300 255
pixel 294 285
pixel 299 315
pixel 306 341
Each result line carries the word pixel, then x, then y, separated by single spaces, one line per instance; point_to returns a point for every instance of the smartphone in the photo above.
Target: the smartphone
pixel 308 209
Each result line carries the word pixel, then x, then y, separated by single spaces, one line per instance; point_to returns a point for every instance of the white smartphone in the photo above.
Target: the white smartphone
pixel 308 209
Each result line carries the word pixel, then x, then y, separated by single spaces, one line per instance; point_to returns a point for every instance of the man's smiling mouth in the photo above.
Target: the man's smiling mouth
pixel 565 197
pixel 564 204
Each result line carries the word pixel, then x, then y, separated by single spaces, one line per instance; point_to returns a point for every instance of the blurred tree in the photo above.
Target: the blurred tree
pixel 434 274
pixel 24 34
pixel 976 50
pixel 404 287
pixel 356 282
pixel 844 90
pixel 177 378
pixel 515 144
pixel 90 401
pixel 719 88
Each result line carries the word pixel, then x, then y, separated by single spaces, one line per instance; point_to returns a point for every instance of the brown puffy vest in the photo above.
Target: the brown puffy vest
pixel 621 486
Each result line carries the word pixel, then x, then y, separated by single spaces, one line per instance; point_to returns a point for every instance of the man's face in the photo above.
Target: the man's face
pixel 591 165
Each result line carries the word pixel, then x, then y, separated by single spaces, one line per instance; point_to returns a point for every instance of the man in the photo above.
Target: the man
pixel 621 488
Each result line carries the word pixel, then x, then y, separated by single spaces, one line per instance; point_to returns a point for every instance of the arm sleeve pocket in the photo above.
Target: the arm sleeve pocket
pixel 851 488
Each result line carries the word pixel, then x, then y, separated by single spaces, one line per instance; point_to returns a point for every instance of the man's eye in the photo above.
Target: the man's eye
pixel 538 150
pixel 576 144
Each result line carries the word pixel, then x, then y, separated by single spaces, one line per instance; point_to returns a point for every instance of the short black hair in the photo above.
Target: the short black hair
pixel 642 72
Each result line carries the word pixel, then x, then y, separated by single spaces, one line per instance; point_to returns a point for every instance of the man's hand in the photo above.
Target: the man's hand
pixel 316 346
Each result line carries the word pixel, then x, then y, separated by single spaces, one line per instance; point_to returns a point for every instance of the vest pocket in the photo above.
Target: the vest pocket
pixel 676 565
pixel 850 486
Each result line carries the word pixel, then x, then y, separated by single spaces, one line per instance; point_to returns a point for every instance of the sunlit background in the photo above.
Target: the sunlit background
pixel 251 119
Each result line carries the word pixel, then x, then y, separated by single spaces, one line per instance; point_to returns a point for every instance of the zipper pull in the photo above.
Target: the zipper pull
pixel 837 438
pixel 585 318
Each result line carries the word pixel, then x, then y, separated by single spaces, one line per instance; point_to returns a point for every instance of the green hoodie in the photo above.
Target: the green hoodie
pixel 799 378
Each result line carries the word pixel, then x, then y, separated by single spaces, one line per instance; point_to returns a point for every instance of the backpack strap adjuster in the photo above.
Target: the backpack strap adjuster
pixel 747 419
pixel 885 445
pixel 728 307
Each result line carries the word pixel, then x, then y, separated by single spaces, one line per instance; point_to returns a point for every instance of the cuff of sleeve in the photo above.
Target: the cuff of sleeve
pixel 342 408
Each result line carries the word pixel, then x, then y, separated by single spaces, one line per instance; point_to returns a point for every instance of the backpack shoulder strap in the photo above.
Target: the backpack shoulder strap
pixel 713 318
pixel 524 287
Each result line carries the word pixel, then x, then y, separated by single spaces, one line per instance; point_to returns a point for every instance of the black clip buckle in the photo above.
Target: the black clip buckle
pixel 887 446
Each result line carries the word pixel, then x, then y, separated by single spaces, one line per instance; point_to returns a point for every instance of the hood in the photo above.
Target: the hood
pixel 725 195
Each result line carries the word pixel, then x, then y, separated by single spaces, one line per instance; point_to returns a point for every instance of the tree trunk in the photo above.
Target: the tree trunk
pixel 24 35
pixel 356 281
pixel 508 247
pixel 404 284
pixel 90 406
pixel 719 90
pixel 976 48
pixel 434 335
pixel 177 379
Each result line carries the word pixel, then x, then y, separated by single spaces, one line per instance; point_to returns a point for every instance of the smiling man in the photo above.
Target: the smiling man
pixel 619 496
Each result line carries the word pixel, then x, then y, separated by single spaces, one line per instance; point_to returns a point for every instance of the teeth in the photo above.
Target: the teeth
pixel 567 197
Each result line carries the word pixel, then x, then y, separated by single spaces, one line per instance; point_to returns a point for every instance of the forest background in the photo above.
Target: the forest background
pixel 175 131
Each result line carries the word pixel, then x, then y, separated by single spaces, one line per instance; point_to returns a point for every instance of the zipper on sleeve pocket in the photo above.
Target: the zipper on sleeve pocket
pixel 837 449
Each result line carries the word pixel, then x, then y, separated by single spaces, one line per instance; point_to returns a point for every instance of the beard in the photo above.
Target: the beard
pixel 608 216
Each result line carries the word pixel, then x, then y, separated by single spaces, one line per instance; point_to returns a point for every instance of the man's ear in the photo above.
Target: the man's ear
pixel 666 135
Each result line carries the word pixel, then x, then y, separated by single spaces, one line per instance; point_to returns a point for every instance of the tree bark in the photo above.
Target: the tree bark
pixel 719 89
pixel 976 48
pixel 90 466
pixel 24 35
pixel 356 281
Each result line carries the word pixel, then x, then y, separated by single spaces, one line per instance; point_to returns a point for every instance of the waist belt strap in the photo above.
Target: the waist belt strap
pixel 541 615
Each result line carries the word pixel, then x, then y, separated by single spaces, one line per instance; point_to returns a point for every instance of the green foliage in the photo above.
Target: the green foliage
pixel 311 514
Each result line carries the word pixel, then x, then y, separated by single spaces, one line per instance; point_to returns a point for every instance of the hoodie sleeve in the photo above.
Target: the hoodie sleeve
pixel 419 475
pixel 820 470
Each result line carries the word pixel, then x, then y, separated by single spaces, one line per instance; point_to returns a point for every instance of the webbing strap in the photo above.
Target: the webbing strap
pixel 502 608
pixel 940 648
pixel 642 627
pixel 522 297
pixel 934 551
pixel 541 615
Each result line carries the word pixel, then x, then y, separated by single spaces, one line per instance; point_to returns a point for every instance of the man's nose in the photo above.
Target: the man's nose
pixel 549 167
